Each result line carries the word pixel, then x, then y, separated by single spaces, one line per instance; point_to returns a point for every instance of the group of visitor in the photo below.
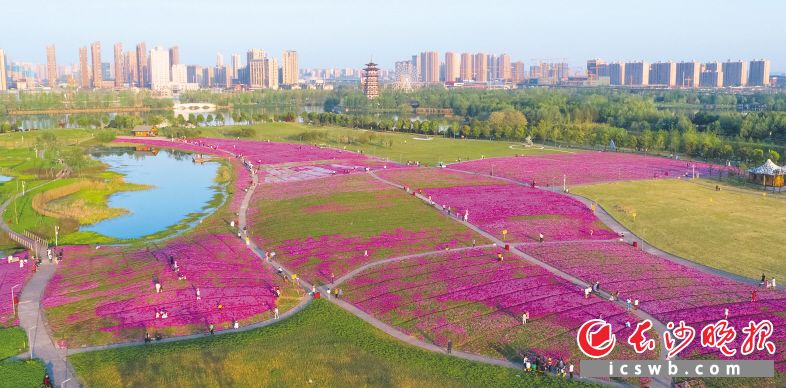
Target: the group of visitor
pixel 767 283
pixel 543 365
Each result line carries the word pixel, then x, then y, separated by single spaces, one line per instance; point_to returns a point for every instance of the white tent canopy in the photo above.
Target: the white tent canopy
pixel 768 168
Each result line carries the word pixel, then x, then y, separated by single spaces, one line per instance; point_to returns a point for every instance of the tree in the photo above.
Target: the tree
pixel 774 156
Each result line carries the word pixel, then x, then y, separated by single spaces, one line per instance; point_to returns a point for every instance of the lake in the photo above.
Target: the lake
pixel 182 190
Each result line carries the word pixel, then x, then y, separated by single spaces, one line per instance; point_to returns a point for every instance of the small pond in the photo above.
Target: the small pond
pixel 182 191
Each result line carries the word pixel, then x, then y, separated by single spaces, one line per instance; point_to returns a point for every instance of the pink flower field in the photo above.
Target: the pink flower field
pixel 470 298
pixel 586 167
pixel 523 211
pixel 11 275
pixel 109 295
pixel 427 177
pixel 282 162
pixel 332 225
pixel 670 291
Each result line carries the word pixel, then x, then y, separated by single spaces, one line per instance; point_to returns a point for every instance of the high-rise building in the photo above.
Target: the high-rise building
pixel 452 67
pixel 174 55
pixel 95 54
pixel 595 67
pixel 221 77
pixel 404 75
pixel 759 73
pixel 370 81
pixel 3 71
pixel 84 69
pixel 235 66
pixel 711 75
pixel 429 67
pixel 289 68
pixel 466 68
pixel 207 77
pixel 131 68
pixel 491 67
pixel 687 74
pixel 663 74
pixel 735 73
pixel 256 74
pixel 637 73
pixel 271 73
pixel 119 72
pixel 418 67
pixel 616 73
pixel 143 67
pixel 518 72
pixel 51 65
pixel 106 71
pixel 194 74
pixel 159 68
pixel 179 73
pixel 255 55
pixel 219 60
pixel 503 68
pixel 480 67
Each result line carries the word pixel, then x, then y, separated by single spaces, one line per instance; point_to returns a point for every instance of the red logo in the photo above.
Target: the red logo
pixel 758 337
pixel 639 341
pixel 719 335
pixel 595 338
pixel 681 332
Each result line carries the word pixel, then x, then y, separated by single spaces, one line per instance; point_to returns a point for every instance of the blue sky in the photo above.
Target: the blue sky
pixel 345 33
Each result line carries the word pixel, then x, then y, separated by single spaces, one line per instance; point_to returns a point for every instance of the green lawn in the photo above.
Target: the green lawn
pixel 13 341
pixel 322 346
pixel 21 374
pixel 736 230
pixel 403 148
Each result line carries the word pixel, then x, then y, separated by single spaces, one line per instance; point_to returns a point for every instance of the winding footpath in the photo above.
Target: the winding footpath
pixel 659 326
pixel 31 318
pixel 388 329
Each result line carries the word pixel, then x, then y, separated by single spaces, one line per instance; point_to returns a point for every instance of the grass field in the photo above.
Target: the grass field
pixel 322 346
pixel 736 230
pixel 13 341
pixel 21 374
pixel 403 146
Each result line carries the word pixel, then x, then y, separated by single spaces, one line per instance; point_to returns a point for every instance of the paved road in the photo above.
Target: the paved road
pixel 31 319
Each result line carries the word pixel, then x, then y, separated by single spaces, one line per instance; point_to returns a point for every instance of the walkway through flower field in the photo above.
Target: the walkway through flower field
pixel 278 164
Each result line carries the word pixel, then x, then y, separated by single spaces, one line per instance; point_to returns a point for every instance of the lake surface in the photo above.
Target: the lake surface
pixel 182 189
pixel 4 178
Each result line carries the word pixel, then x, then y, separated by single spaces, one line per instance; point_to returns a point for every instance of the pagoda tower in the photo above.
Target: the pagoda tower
pixel 370 82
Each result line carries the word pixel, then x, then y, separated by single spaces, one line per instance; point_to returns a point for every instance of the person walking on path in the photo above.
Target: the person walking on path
pixel 158 287
pixel 211 328
pixel 636 304
pixel 198 294
pixel 763 279
pixel 587 292
pixel 450 346
pixel 753 296
pixel 627 304
pixel 275 313
pixel 524 318
pixel 773 282
pixel 540 237
pixel 570 370
pixel 726 313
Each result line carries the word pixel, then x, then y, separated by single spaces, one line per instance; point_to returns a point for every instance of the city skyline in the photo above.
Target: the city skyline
pixel 323 43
